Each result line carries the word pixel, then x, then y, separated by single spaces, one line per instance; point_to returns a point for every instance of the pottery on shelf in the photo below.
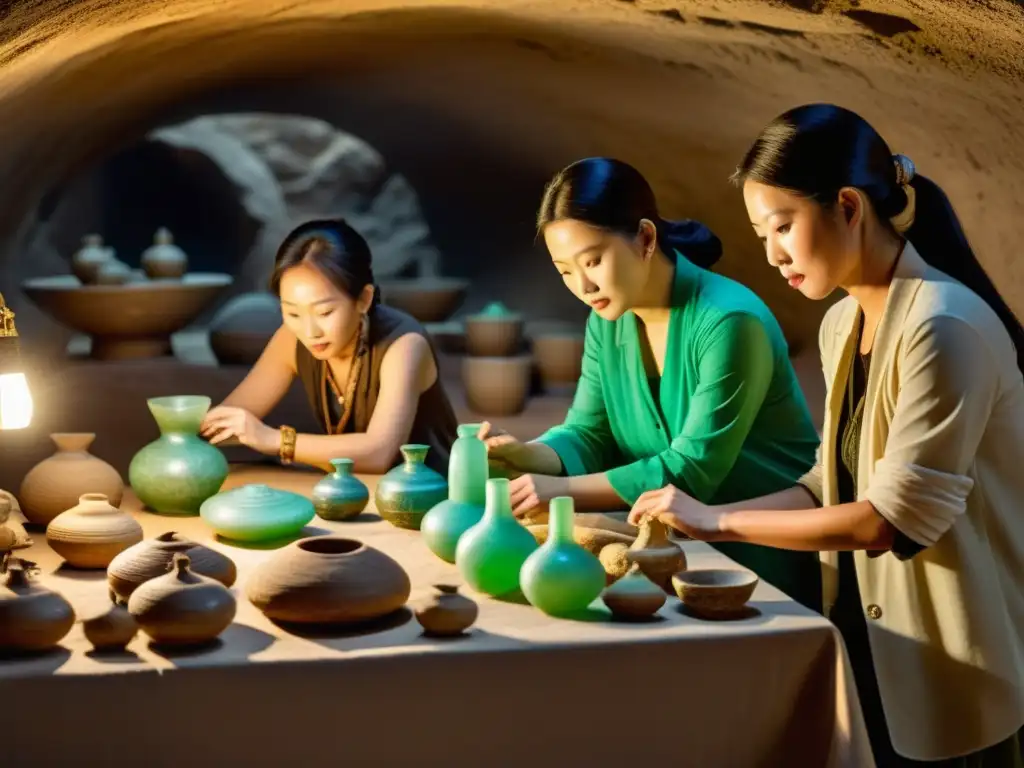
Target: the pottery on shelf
pixel 443 526
pixel 558 357
pixel 56 483
pixel 113 272
pixel 340 495
pixel 178 471
pixel 154 557
pixel 110 630
pixel 429 299
pixel 494 332
pixel 410 490
pixel 715 592
pixel 491 553
pixel 93 532
pixel 328 580
pixel 163 259
pixel 182 607
pixel 242 328
pixel 658 556
pixel 634 596
pixel 561 577
pixel 445 613
pixel 497 386
pixel 32 617
pixel 89 258
pixel 256 512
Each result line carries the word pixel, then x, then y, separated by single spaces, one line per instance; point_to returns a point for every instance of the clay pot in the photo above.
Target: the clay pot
pixel 497 386
pixel 328 580
pixel 445 613
pixel 92 533
pixel 657 555
pixel 110 630
pixel 163 259
pixel 12 532
pixel 559 358
pixel 87 260
pixel 495 332
pixel 340 495
pixel 182 607
pixel 57 483
pixel 634 596
pixel 715 592
pixel 428 299
pixel 32 617
pixel 594 540
pixel 243 327
pixel 153 557
pixel 112 272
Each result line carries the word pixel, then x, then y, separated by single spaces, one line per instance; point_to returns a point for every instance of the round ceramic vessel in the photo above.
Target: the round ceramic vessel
pixel 340 495
pixel 410 490
pixel 257 512
pixel 92 533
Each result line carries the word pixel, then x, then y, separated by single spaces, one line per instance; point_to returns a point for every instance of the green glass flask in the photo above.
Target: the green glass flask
pixel 410 490
pixel 444 525
pixel 340 495
pixel 561 578
pixel 490 554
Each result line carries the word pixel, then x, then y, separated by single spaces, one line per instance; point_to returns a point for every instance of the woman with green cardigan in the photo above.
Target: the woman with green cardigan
pixel 686 379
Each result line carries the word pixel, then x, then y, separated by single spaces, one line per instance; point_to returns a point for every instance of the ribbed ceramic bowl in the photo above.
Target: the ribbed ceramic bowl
pixel 714 591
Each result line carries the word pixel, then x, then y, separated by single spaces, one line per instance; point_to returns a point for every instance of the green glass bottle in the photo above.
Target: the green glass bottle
pixel 340 495
pixel 561 578
pixel 444 525
pixel 176 473
pixel 410 490
pixel 490 554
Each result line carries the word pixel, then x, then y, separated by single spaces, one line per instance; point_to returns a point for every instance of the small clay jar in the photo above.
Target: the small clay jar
pixel 152 558
pixel 110 630
pixel 182 607
pixel 445 613
pixel 113 272
pixel 92 533
pixel 657 555
pixel 634 596
pixel 32 617
pixel 163 259
pixel 88 259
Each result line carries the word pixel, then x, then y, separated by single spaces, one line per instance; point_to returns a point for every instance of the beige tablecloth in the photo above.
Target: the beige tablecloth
pixel 772 689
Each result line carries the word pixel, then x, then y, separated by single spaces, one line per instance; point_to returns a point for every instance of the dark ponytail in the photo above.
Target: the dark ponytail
pixel 334 248
pixel 817 149
pixel 615 196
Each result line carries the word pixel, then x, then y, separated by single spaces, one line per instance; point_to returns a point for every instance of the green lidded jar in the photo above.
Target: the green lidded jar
pixel 257 512
pixel 443 526
pixel 407 492
pixel 340 495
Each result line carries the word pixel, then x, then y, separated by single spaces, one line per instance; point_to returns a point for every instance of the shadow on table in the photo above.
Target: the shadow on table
pixel 67 571
pixel 238 641
pixel 37 663
pixel 393 620
pixel 590 614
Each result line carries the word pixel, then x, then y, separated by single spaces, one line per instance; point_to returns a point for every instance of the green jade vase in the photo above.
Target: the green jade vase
pixel 407 492
pixel 490 554
pixel 256 512
pixel 443 526
pixel 178 471
pixel 340 495
pixel 562 578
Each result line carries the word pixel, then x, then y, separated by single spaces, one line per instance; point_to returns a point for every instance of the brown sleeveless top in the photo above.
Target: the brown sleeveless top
pixel 435 422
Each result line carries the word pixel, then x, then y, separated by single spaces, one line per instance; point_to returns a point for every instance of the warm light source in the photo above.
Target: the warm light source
pixel 15 398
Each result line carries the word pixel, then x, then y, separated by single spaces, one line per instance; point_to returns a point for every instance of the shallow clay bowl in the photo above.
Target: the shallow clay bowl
pixel 428 299
pixel 714 591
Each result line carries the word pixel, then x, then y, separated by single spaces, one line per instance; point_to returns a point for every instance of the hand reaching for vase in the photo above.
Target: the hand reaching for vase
pixel 679 511
pixel 225 422
pixel 532 468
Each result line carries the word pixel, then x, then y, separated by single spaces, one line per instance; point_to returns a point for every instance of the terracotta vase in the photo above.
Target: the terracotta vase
pixel 340 495
pixel 163 259
pixel 328 580
pixel 32 617
pixel 92 533
pixel 87 260
pixel 153 557
pixel 410 490
pixel 445 613
pixel 57 483
pixel 497 386
pixel 182 607
pixel 559 358
pixel 110 630
pixel 634 596
pixel 657 555
pixel 256 512
pixel 494 332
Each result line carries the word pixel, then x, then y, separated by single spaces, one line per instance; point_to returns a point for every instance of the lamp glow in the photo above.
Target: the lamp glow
pixel 15 397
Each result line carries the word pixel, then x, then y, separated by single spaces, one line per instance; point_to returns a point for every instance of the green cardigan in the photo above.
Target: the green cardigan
pixel 727 421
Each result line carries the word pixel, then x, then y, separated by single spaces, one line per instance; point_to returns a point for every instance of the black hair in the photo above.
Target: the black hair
pixel 614 196
pixel 334 248
pixel 817 149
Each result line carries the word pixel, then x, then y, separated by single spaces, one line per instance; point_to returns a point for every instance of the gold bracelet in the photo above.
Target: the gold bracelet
pixel 287 451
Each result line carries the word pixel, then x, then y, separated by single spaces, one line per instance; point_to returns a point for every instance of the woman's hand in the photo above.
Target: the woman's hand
pixel 513 458
pixel 531 493
pixel 224 422
pixel 684 513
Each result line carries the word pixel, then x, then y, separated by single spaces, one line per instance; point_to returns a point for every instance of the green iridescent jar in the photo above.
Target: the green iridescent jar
pixel 490 554
pixel 257 512
pixel 407 492
pixel 178 471
pixel 444 525
pixel 340 495
pixel 561 578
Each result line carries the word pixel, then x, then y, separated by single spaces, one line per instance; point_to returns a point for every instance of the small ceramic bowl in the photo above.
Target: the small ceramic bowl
pixel 714 591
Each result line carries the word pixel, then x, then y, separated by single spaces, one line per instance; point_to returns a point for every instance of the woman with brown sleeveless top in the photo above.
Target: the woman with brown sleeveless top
pixel 369 371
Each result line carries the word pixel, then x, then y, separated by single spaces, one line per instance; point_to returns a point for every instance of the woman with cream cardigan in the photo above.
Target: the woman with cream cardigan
pixel 917 498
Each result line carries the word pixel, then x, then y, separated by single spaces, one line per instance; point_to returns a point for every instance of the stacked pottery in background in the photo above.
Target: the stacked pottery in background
pixel 496 371
pixel 558 355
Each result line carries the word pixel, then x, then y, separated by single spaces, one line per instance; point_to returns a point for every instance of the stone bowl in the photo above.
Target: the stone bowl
pixel 714 592
pixel 129 321
pixel 428 299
